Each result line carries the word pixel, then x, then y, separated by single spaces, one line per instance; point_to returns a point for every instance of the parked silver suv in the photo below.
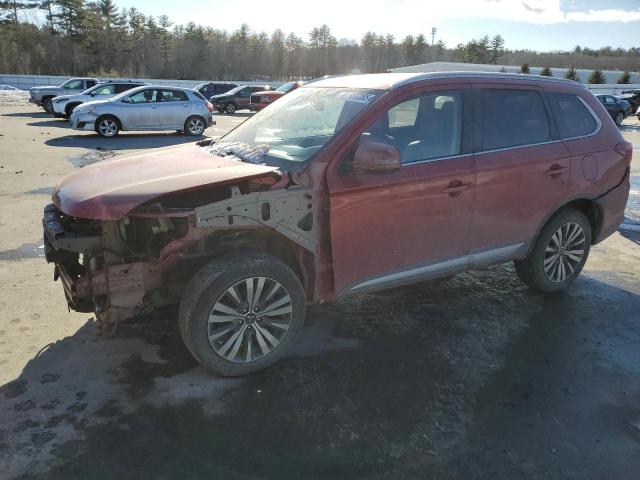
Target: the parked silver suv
pixel 64 104
pixel 146 108
pixel 42 96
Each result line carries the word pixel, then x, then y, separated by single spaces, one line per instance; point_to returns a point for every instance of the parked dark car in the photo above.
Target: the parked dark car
pixel 345 186
pixel 236 99
pixel 618 108
pixel 209 89
pixel 633 97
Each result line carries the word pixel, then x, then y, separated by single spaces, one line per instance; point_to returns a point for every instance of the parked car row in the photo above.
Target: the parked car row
pixel 618 108
pixel 345 186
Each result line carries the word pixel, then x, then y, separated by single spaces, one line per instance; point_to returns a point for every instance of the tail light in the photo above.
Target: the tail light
pixel 625 149
pixel 209 106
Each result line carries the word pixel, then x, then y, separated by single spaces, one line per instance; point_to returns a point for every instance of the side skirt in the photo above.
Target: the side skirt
pixel 429 271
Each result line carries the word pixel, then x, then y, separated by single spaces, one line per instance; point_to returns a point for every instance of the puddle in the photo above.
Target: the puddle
pixel 91 157
pixel 41 191
pixel 26 250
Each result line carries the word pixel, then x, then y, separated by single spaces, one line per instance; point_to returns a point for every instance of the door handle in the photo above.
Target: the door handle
pixel 455 188
pixel 556 170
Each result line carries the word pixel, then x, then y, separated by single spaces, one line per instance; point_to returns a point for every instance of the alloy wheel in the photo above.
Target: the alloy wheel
pixel 195 126
pixel 250 319
pixel 564 252
pixel 108 127
pixel 231 108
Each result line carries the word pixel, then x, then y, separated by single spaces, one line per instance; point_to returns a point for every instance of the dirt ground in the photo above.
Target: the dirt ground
pixel 473 377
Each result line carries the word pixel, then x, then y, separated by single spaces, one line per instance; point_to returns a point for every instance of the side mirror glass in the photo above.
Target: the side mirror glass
pixel 376 157
pixel 126 100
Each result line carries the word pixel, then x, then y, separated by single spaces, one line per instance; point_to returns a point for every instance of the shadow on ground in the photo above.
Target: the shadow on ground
pixel 51 122
pixel 475 377
pixel 29 115
pixel 123 141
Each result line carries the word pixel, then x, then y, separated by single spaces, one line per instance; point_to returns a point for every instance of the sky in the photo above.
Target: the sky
pixel 541 25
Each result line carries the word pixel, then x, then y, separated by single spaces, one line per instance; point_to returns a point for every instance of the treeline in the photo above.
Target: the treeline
pixel 81 38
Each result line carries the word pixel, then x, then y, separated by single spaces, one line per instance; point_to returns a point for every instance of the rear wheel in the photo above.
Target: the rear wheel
pixel 559 253
pixel 107 126
pixel 241 315
pixel 619 118
pixel 194 125
pixel 47 104
pixel 230 108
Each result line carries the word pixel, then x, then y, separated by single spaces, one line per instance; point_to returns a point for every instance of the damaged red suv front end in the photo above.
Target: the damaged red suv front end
pixel 118 228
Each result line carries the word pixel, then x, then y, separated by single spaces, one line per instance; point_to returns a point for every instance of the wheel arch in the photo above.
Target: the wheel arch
pixel 223 244
pixel 588 206
pixel 115 117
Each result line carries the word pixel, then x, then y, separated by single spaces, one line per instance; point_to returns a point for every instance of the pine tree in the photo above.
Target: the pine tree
pixel 496 48
pixel 625 78
pixel 597 77
pixel 572 74
pixel 525 68
pixel 546 72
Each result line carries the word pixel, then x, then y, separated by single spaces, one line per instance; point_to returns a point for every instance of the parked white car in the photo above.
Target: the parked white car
pixel 146 108
pixel 64 104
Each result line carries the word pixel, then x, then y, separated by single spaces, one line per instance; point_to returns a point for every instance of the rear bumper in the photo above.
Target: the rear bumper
pixel 611 207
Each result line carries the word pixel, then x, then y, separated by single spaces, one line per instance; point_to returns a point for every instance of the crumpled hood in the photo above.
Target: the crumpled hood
pixel 108 190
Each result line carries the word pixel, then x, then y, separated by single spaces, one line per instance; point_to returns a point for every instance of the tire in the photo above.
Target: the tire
pixel 619 118
pixel 230 108
pixel 195 126
pixel 47 104
pixel 107 126
pixel 555 260
pixel 210 290
pixel 69 109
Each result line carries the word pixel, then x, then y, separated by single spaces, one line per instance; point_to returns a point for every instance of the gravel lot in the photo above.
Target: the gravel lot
pixel 473 377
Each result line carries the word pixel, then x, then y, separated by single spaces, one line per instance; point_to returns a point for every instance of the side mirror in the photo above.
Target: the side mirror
pixel 126 100
pixel 376 157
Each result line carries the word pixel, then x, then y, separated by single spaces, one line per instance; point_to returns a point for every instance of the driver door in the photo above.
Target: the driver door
pixel 389 229
pixel 140 110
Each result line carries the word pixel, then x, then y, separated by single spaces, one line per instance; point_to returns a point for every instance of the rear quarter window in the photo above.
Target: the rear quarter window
pixel 572 116
pixel 512 118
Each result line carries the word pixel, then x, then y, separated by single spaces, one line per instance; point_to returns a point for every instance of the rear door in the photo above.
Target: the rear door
pixel 394 228
pixel 173 108
pixel 523 169
pixel 242 97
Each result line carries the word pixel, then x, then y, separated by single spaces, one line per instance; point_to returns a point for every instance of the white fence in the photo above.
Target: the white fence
pixel 25 82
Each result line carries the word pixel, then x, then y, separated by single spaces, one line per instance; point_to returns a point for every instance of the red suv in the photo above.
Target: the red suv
pixel 344 186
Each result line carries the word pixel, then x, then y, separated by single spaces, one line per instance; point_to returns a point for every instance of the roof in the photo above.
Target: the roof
pixel 611 76
pixel 389 81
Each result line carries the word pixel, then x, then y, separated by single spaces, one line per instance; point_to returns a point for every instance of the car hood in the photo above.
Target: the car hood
pixel 221 96
pixel 110 189
pixel 45 87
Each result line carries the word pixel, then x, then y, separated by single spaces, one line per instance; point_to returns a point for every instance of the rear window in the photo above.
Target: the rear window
pixel 199 95
pixel 172 96
pixel 512 118
pixel 572 116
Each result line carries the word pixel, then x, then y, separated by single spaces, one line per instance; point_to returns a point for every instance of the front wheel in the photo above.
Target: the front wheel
pixel 558 254
pixel 107 126
pixel 619 118
pixel 230 108
pixel 194 126
pixel 241 315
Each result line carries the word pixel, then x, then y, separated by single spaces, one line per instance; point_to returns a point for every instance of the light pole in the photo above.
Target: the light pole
pixel 433 35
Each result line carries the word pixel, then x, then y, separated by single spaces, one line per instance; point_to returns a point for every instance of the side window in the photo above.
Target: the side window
pixel 572 116
pixel 171 96
pixel 73 84
pixel 404 114
pixel 123 87
pixel 105 90
pixel 423 128
pixel 512 118
pixel 143 96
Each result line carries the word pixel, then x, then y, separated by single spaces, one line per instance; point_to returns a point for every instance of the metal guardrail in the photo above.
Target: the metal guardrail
pixel 25 82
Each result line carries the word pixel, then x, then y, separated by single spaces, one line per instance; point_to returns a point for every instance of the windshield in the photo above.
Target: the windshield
pixel 286 87
pixel 292 130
